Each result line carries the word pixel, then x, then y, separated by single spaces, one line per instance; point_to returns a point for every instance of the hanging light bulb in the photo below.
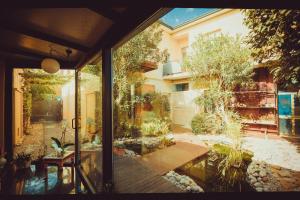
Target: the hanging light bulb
pixel 50 65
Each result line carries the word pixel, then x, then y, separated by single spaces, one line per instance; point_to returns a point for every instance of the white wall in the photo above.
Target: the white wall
pixel 183 107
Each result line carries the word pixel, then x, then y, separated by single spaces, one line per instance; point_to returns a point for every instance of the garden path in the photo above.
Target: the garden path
pixel 40 135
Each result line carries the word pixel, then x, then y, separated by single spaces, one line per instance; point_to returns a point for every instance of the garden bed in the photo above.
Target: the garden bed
pixel 144 145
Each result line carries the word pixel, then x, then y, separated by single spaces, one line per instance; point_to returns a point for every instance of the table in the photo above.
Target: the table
pixel 59 161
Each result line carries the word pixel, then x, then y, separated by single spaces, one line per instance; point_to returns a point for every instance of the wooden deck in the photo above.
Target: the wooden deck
pixel 144 174
pixel 132 177
pixel 165 160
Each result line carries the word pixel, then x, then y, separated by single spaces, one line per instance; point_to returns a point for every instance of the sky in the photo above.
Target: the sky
pixel 179 16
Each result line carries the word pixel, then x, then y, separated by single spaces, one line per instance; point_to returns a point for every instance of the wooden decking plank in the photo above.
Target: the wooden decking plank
pixel 144 174
pixel 170 158
pixel 133 177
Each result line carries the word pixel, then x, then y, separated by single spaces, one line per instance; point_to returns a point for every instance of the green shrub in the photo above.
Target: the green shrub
pixel 126 129
pixel 148 116
pixel 155 127
pixel 206 123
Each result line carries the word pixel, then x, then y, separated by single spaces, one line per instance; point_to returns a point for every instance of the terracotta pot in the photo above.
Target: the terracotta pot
pixel 147 106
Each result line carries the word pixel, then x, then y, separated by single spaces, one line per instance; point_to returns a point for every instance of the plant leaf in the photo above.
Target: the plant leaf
pixel 67 145
pixel 56 141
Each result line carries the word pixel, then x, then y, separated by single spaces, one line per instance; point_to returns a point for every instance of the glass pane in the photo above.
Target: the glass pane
pixel 44 107
pixel 145 153
pixel 90 122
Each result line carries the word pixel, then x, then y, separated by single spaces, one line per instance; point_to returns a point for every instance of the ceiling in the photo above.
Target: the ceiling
pixel 27 35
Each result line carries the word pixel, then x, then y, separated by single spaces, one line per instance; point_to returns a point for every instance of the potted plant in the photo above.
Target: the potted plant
pixel 60 147
pixel 23 160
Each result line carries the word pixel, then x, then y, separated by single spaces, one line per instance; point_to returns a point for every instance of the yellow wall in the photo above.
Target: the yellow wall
pixel 226 21
pixel 68 96
pixel 17 108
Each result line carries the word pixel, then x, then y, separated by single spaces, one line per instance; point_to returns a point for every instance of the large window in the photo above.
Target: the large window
pixel 90 123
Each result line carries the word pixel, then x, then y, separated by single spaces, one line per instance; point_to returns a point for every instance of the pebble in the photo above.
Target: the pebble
pixel 263 180
pixel 257 184
pixel 183 181
pixel 262 173
pixel 259 178
pixel 255 174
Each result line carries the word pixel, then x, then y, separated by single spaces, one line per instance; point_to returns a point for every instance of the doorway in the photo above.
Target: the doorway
pixel 43 108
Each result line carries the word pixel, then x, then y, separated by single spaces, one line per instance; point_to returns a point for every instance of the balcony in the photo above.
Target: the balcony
pixel 173 70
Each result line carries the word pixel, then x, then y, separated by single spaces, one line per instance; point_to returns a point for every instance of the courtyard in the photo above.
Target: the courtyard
pixel 199 109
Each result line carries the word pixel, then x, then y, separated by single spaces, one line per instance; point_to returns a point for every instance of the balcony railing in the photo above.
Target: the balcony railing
pixel 172 67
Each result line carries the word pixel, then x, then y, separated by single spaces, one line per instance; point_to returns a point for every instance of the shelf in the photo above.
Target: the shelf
pixel 254 91
pixel 270 123
pixel 260 129
pixel 251 107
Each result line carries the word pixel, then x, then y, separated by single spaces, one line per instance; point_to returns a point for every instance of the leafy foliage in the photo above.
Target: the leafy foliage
pixel 127 61
pixel 59 145
pixel 232 167
pixel 38 85
pixel 204 123
pixel 224 62
pixel 21 157
pixel 221 58
pixel 275 35
pixel 155 127
pixel 42 92
pixel 160 104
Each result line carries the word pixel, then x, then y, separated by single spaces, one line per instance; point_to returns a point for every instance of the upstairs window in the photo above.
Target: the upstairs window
pixel 181 87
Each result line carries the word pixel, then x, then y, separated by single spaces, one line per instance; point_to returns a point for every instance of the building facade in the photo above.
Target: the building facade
pixel 261 115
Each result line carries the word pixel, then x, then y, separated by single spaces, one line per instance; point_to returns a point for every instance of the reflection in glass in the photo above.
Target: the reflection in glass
pixel 90 122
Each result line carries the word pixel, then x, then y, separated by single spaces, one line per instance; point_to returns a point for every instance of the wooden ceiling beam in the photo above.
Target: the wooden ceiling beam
pixel 35 57
pixel 21 29
pixel 26 63
pixel 133 21
pixel 107 12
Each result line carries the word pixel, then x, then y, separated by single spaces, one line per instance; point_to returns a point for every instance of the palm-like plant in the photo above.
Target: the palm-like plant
pixel 60 146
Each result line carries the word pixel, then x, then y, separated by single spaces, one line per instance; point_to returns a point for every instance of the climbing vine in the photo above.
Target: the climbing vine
pixel 38 85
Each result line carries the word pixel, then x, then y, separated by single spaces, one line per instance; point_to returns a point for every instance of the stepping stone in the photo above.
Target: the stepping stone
pixel 284 173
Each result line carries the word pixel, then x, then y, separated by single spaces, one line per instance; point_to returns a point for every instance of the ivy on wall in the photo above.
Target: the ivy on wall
pixel 38 85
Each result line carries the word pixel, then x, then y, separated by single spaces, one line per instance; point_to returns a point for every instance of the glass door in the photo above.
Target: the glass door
pixel 89 123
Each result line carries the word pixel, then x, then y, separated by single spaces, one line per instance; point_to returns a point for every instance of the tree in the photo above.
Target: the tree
pixel 127 61
pixel 275 36
pixel 222 61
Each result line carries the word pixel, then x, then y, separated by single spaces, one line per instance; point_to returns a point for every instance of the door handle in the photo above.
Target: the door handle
pixel 73 124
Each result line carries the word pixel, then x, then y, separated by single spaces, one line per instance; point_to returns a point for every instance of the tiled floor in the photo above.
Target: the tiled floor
pixel 32 181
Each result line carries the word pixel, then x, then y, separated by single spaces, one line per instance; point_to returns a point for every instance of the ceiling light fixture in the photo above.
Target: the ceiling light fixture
pixel 50 65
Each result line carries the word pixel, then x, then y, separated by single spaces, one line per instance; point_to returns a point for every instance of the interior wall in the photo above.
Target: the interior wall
pixel 2 92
